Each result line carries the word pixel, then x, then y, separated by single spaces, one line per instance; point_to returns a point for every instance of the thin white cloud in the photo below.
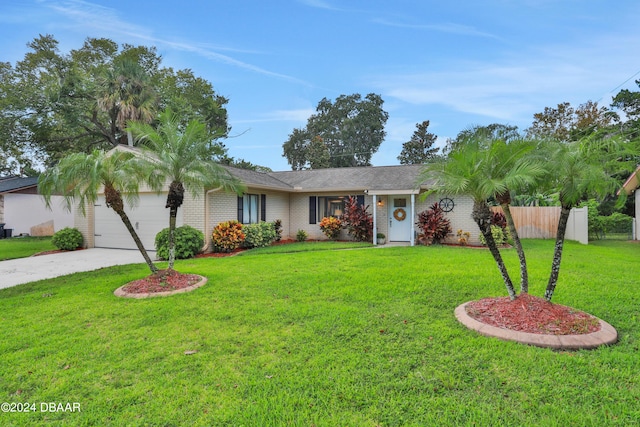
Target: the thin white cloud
pixel 319 4
pixel 450 28
pixel 100 19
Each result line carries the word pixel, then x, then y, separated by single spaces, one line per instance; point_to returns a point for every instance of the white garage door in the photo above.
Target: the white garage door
pixel 148 218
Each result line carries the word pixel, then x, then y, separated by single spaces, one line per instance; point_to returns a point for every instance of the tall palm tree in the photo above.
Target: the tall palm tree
pixel 577 173
pixel 512 167
pixel 125 94
pixel 182 157
pixel 465 173
pixel 78 177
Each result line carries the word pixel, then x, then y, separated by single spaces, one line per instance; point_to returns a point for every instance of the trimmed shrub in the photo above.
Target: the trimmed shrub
pixel 227 236
pixel 188 242
pixel 433 224
pixel 358 221
pixel 259 235
pixel 67 239
pixel 331 227
pixel 301 236
pixel 498 218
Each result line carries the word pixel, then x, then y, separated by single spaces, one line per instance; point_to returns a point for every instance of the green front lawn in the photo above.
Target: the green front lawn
pixel 21 247
pixel 326 338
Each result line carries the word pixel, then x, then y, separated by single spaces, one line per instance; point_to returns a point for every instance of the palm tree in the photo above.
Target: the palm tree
pixel 181 156
pixel 125 94
pixel 512 167
pixel 577 173
pixel 464 172
pixel 79 176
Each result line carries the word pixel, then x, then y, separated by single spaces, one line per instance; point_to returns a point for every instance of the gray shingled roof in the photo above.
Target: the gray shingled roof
pixel 13 183
pixel 372 178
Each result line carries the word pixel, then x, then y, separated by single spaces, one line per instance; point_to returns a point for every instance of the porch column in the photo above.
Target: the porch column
pixel 413 218
pixel 375 217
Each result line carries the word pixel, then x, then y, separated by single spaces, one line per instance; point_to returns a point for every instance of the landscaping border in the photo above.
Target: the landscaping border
pixel 120 292
pixel 607 334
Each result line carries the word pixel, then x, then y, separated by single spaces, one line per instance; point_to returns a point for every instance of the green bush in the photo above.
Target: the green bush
pixel 301 236
pixel 188 242
pixel 500 235
pixel 259 235
pixel 227 236
pixel 67 239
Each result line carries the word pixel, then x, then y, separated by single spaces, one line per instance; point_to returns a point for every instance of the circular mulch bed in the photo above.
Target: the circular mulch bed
pixel 535 321
pixel 163 283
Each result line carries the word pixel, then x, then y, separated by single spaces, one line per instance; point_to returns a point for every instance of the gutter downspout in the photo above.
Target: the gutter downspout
pixel 207 233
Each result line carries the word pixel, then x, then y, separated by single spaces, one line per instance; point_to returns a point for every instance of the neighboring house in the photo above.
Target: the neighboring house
pixel 630 187
pixel 23 211
pixel 300 199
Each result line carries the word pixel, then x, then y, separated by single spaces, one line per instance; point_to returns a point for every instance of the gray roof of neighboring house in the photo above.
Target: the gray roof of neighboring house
pixel 370 178
pixel 14 183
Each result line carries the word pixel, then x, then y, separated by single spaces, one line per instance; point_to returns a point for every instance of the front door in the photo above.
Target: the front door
pixel 399 219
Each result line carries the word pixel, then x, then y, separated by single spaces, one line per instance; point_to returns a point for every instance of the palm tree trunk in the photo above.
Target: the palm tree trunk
pixel 482 216
pixel 174 201
pixel 113 200
pixel 557 252
pixel 173 213
pixel 524 274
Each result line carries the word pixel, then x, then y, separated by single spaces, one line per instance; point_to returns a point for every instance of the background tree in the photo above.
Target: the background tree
pixel 419 149
pixel 477 133
pixel 180 155
pixel 351 130
pixel 78 177
pixel 54 103
pixel 565 123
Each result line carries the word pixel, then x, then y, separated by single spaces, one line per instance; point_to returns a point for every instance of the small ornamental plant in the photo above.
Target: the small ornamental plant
pixel 227 236
pixel 463 237
pixel 331 227
pixel 434 225
pixel 358 221
pixel 301 236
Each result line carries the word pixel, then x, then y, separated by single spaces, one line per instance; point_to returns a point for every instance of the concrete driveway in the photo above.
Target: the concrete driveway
pixel 24 270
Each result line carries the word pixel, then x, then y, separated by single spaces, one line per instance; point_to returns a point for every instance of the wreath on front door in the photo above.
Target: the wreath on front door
pixel 399 214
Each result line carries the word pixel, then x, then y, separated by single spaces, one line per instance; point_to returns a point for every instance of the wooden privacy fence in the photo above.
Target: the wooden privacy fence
pixel 541 222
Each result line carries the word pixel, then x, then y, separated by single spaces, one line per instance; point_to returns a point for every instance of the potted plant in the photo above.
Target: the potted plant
pixel 380 238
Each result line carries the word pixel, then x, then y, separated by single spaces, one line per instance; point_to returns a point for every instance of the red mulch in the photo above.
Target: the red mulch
pixel 162 281
pixel 532 314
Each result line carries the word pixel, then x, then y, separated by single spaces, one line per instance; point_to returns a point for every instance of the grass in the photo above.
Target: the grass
pixel 326 338
pixel 21 247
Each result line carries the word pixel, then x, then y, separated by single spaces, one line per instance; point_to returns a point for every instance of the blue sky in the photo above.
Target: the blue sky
pixel 457 63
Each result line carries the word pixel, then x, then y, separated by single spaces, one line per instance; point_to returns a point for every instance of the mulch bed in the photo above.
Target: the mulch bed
pixel 162 281
pixel 532 314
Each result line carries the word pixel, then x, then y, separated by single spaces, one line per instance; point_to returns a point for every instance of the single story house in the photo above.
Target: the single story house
pixel 299 199
pixel 630 187
pixel 23 210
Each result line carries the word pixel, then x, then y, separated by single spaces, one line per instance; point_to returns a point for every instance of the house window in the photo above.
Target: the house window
pixel 252 208
pixel 323 206
pixel 330 206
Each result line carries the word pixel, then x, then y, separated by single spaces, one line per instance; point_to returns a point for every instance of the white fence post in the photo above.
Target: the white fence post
pixel 578 226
